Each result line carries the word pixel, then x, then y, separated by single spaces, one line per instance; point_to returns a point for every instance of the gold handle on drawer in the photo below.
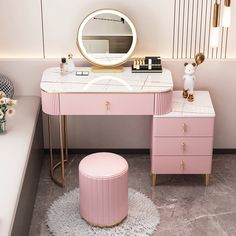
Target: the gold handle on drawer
pixel 107 104
pixel 183 145
pixel 182 165
pixel 184 127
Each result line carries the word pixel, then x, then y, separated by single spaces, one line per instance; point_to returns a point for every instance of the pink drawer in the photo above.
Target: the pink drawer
pixel 181 164
pixel 183 126
pixel 107 104
pixel 182 146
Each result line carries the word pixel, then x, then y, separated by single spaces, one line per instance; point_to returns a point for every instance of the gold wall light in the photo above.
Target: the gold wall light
pixel 215 30
pixel 226 19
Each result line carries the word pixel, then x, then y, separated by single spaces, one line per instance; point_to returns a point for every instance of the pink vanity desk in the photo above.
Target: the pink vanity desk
pixel 182 132
pixel 123 93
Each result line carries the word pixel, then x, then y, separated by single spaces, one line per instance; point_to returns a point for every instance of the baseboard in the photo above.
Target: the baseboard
pixel 129 151
pixel 93 150
pixel 224 151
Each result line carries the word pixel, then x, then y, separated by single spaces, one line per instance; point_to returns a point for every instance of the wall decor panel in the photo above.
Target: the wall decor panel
pixel 192 26
pixel 21 32
pixel 231 45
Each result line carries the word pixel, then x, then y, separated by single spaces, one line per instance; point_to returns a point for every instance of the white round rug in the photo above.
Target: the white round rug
pixel 63 218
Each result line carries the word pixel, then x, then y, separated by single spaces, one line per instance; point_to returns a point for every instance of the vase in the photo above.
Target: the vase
pixel 3 126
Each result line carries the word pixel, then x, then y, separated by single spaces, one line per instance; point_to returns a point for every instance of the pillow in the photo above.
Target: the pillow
pixel 6 86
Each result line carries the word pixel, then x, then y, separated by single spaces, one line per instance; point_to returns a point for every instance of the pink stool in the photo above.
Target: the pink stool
pixel 103 185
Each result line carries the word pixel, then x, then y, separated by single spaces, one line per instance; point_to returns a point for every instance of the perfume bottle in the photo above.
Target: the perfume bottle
pixel 70 63
pixel 138 64
pixel 63 65
pixel 149 63
pixel 134 63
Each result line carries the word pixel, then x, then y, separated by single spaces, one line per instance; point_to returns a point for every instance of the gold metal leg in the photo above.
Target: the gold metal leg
pixel 154 179
pixel 62 152
pixel 63 144
pixel 65 137
pixel 207 179
pixel 50 144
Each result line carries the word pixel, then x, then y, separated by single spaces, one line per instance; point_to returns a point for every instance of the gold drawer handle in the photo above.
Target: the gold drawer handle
pixel 184 127
pixel 182 165
pixel 183 146
pixel 107 104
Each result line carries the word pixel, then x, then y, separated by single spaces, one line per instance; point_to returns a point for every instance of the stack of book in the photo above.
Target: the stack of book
pixel 147 65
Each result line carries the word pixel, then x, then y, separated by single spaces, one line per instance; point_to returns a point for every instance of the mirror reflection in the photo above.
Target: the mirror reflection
pixel 107 37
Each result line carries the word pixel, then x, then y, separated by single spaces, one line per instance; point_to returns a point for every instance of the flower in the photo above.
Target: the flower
pixel 5 106
pixel 2 101
pixel 1 114
pixel 12 102
pixel 7 100
pixel 11 112
pixel 2 94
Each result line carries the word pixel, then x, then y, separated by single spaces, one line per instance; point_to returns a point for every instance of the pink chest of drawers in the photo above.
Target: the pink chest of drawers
pixel 182 141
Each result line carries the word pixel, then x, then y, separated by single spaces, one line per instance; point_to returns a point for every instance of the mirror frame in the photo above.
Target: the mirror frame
pixel 82 49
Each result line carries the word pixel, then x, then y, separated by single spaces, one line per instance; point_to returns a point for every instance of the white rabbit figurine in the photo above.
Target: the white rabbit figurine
pixel 189 79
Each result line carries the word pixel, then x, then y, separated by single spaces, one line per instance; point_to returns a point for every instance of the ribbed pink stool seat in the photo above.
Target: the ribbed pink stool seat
pixel 103 184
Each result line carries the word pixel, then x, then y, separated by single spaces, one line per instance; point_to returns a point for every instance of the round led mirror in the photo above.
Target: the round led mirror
pixel 107 38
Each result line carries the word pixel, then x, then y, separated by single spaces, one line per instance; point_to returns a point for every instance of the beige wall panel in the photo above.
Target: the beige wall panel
pixel 231 50
pixel 21 33
pixel 153 20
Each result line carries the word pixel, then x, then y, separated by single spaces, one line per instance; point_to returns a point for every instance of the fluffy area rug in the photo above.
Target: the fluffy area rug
pixel 63 218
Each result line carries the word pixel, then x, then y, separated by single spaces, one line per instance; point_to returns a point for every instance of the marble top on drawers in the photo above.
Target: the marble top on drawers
pixel 201 107
pixel 124 82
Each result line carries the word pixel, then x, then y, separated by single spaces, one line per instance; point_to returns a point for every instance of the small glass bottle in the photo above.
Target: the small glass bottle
pixel 70 63
pixel 134 64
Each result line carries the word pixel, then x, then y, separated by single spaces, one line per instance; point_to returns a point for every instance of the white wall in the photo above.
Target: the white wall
pixel 62 19
pixel 20 29
pixel 21 37
pixel 148 19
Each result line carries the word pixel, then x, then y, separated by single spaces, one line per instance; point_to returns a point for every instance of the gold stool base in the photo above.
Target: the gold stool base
pixel 105 226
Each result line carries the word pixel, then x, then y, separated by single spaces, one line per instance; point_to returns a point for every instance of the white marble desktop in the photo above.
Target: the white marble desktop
pixel 15 151
pixel 200 107
pixel 124 82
